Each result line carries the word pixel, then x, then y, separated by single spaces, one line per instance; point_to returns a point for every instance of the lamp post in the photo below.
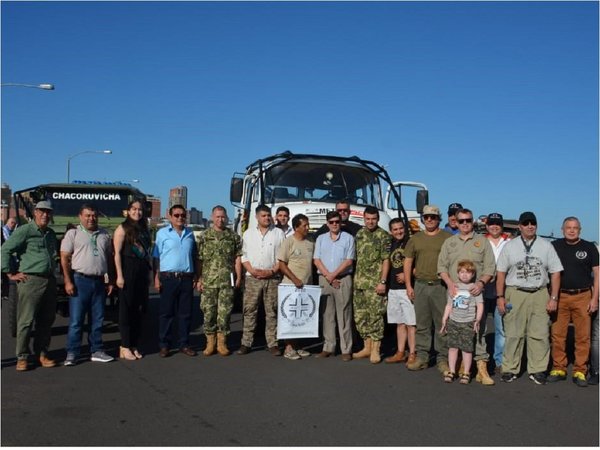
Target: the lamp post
pixel 106 152
pixel 44 86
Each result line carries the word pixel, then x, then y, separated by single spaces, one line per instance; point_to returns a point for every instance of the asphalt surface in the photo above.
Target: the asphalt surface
pixel 261 400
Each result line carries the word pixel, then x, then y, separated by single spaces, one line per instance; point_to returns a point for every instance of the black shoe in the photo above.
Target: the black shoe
pixel 556 375
pixel 164 352
pixel 593 380
pixel 508 377
pixel 243 350
pixel 579 379
pixel 538 378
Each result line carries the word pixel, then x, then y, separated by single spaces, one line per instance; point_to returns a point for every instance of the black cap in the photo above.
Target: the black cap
pixel 453 208
pixel 527 216
pixel 495 219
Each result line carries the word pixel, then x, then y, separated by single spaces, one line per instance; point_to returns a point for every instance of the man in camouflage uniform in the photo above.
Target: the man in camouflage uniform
pixel 372 267
pixel 219 252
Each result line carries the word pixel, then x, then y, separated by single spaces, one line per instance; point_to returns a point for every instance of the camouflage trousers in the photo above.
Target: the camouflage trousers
pixel 369 309
pixel 255 291
pixel 216 305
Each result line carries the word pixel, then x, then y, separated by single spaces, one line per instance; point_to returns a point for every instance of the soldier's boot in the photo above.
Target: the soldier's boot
pixel 222 345
pixel 365 352
pixel 210 345
pixel 482 374
pixel 375 356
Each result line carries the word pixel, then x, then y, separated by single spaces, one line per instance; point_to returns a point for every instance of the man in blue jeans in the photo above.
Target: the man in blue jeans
pixel 85 254
pixel 175 273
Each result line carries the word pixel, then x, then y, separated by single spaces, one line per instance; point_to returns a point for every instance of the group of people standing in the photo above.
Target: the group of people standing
pixel 437 285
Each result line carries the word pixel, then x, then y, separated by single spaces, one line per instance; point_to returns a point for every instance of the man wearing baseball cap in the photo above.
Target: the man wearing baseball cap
pixel 525 267
pixel 497 238
pixel 427 293
pixel 35 245
pixel 452 225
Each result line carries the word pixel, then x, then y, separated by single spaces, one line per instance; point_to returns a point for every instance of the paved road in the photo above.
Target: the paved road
pixel 258 399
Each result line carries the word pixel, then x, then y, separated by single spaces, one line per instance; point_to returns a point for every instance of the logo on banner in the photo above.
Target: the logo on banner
pixel 297 308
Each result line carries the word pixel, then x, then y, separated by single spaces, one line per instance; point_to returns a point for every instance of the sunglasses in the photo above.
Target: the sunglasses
pixel 343 210
pixel 430 217
pixel 333 221
pixel 177 216
pixel 465 220
pixel 529 222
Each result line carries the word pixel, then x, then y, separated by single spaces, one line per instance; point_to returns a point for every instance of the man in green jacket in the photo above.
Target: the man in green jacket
pixel 35 245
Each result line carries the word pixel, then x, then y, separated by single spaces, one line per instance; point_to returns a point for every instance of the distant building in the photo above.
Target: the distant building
pixel 155 212
pixel 6 203
pixel 178 196
pixel 195 217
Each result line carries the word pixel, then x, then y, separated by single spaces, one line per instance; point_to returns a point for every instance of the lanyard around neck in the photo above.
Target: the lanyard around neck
pixel 93 237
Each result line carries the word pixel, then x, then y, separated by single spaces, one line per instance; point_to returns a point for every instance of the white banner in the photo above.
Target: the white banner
pixel 297 311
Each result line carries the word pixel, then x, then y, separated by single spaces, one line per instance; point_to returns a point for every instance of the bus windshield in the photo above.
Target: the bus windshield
pixel 306 181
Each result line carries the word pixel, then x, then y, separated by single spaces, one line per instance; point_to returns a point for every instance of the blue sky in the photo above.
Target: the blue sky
pixel 491 104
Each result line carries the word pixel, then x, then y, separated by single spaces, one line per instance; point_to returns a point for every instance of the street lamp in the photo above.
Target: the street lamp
pixel 44 86
pixel 106 152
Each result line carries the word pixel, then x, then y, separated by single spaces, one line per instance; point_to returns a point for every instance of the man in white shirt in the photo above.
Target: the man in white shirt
pixel 259 257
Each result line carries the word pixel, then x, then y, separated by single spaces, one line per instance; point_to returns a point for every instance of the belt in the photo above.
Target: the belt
pixel 529 290
pixel 575 291
pixel 41 275
pixel 177 274
pixel 93 277
pixel 429 282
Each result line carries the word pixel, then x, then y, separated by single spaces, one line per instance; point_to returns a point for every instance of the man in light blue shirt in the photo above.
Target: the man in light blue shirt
pixel 334 255
pixel 175 273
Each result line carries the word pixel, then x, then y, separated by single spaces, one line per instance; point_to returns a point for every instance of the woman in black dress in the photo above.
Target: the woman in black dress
pixel 132 263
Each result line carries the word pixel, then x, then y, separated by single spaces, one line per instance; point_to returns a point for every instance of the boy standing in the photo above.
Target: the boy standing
pixel 461 320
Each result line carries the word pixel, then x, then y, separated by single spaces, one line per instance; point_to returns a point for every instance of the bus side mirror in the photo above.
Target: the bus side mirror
pixel 422 199
pixel 235 191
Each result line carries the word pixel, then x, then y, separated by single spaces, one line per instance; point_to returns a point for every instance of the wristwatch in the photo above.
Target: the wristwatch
pixel 382 282
pixel 553 297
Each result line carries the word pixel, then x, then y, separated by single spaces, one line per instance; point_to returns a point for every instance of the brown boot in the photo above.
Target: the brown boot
pixel 412 357
pixel 396 358
pixel 210 345
pixel 375 356
pixel 482 374
pixel 222 345
pixel 365 352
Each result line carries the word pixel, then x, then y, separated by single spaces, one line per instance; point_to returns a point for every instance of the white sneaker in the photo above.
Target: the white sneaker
pixel 291 354
pixel 303 353
pixel 70 361
pixel 101 357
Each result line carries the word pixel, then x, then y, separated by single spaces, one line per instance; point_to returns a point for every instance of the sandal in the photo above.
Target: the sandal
pixel 136 353
pixel 465 378
pixel 449 376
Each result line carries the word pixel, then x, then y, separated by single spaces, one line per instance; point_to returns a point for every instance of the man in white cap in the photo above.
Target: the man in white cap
pixel 35 245
pixel 428 293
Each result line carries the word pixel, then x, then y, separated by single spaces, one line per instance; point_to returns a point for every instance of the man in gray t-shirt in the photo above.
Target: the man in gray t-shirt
pixel 85 254
pixel 522 277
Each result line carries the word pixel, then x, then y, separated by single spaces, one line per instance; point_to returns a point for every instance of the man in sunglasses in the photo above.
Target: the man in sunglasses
pixel 476 248
pixel 428 293
pixel 175 273
pixel 343 208
pixel 35 245
pixel 334 257
pixel 524 268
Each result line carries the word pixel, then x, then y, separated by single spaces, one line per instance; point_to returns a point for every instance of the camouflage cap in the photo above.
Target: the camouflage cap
pixel 431 209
